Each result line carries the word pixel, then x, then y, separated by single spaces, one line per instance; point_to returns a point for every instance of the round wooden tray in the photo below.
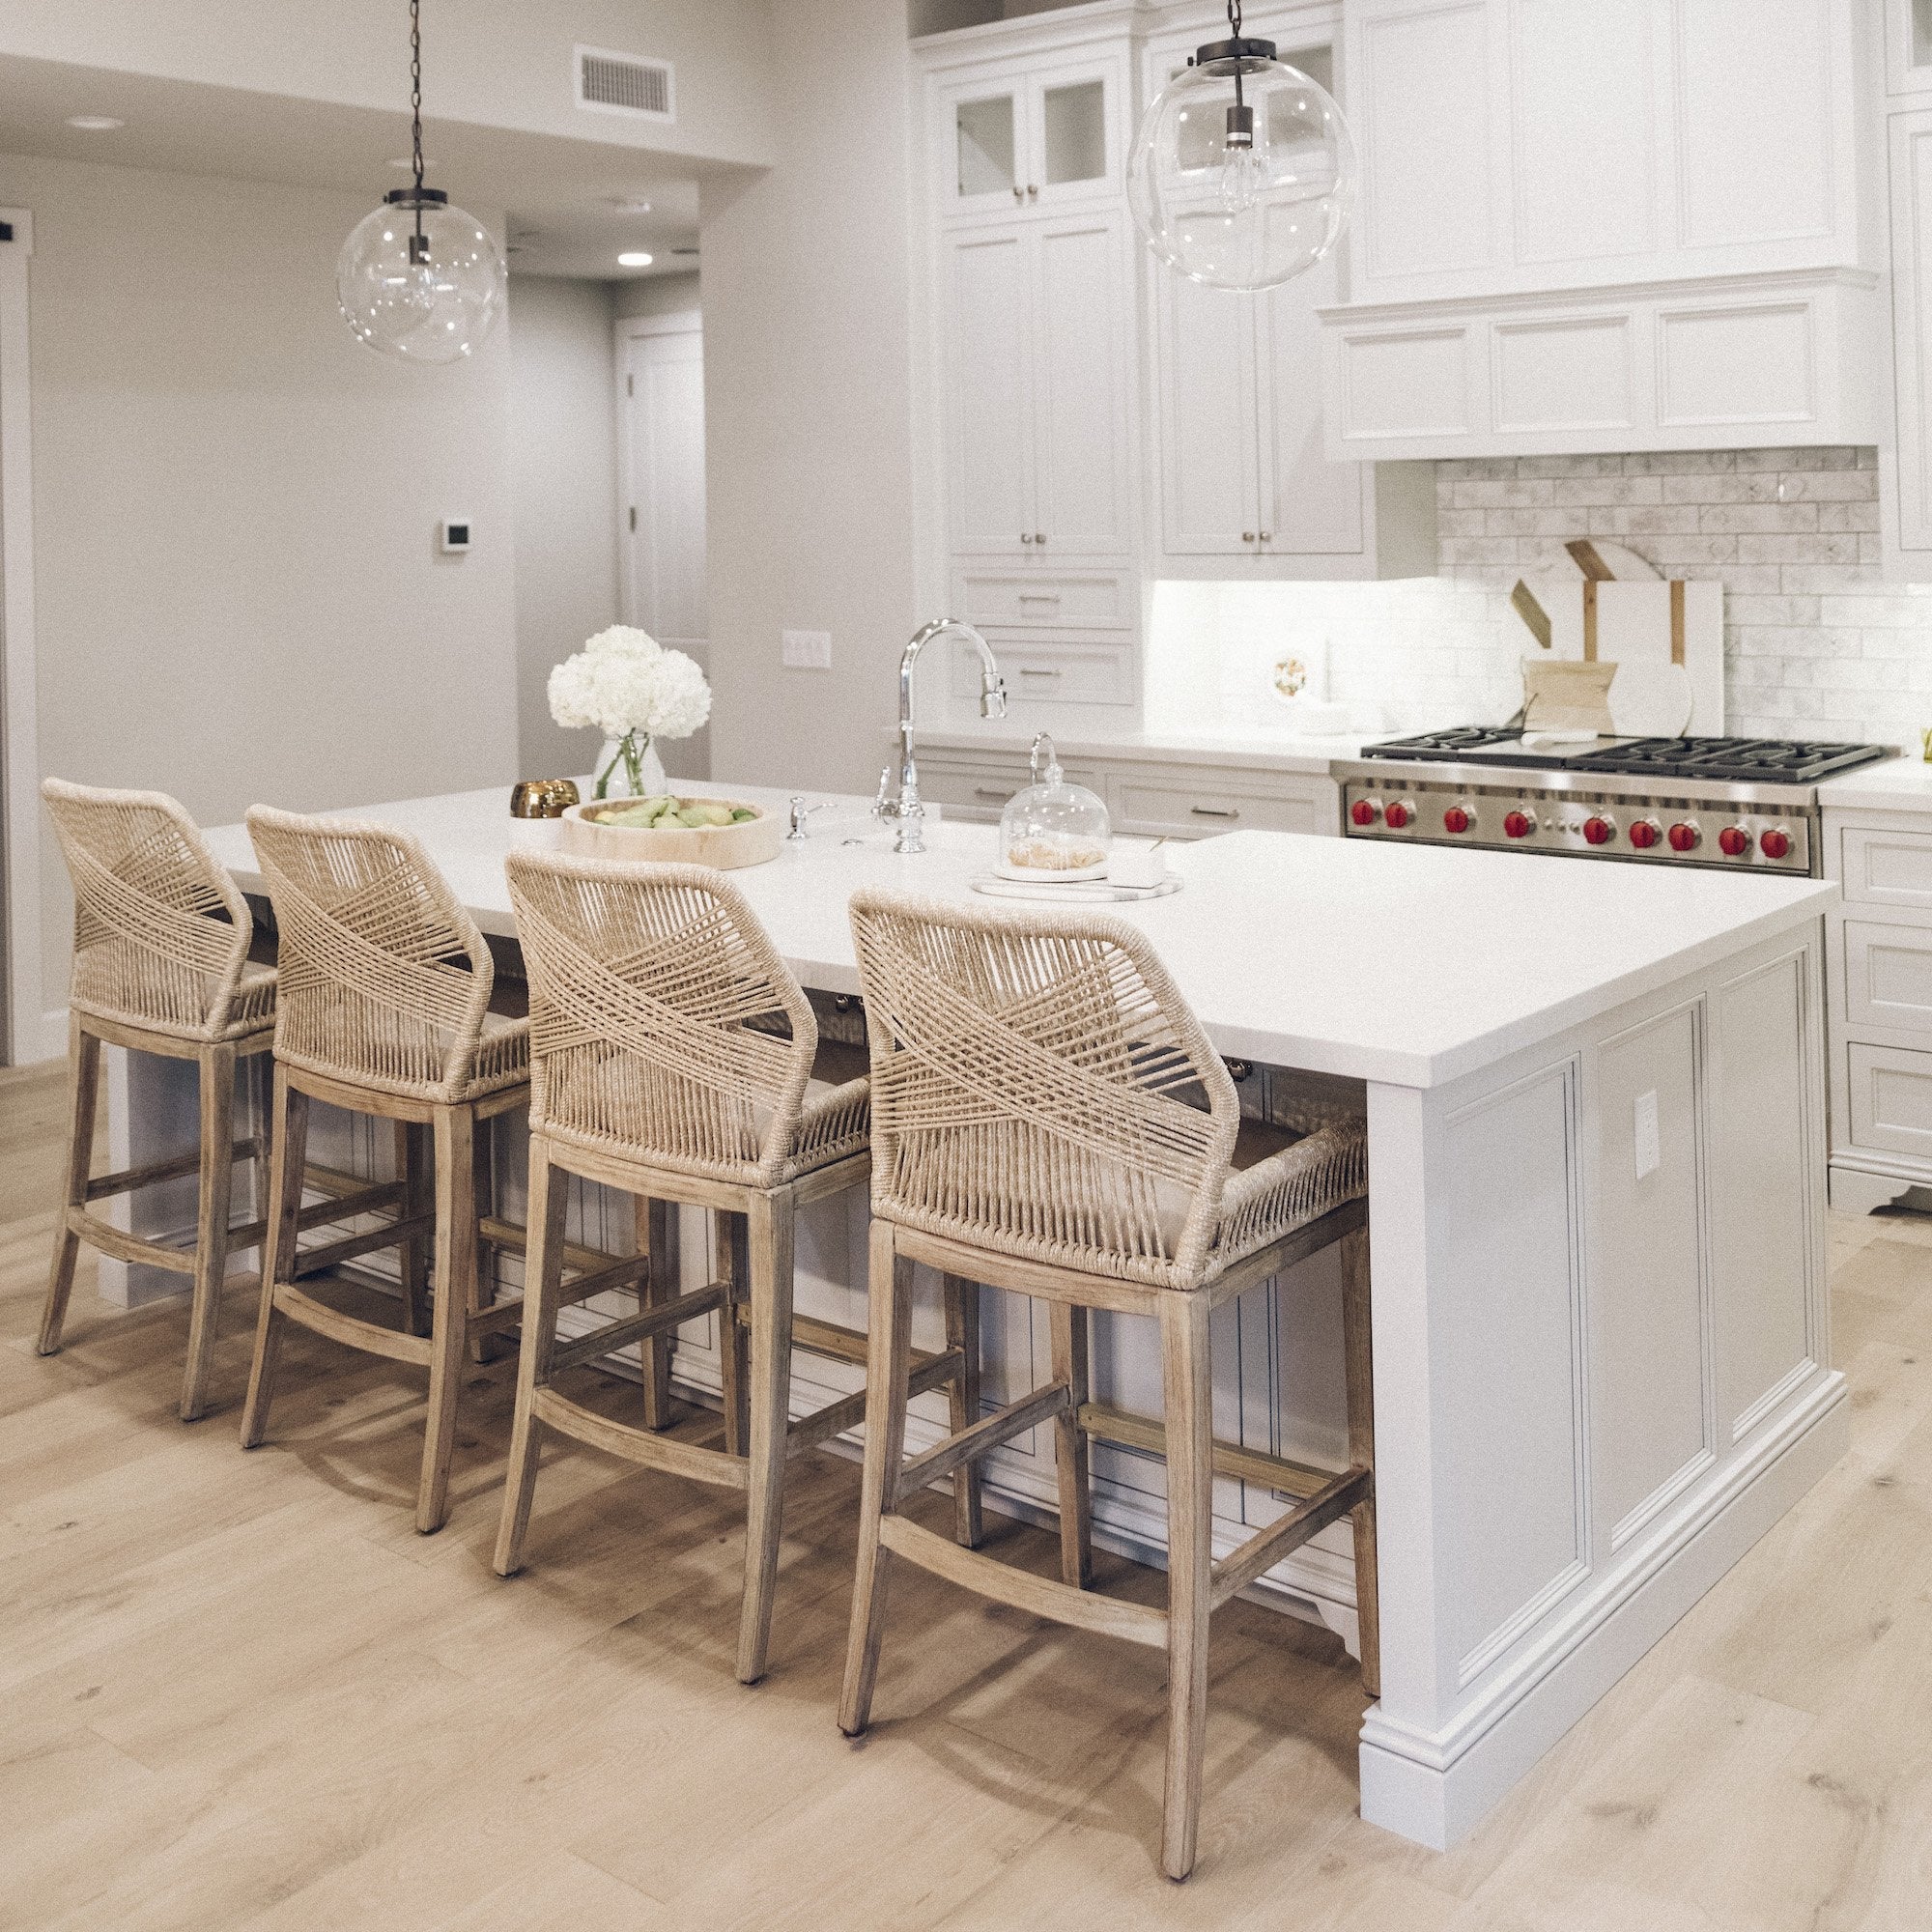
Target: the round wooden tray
pixel 753 842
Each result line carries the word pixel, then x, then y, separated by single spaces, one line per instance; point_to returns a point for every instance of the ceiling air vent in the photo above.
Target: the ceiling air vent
pixel 614 84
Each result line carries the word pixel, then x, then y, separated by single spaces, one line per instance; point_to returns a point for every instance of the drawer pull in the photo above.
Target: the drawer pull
pixel 1034 671
pixel 1000 792
pixel 1214 811
pixel 1039 597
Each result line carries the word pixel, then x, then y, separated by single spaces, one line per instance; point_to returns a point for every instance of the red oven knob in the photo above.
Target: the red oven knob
pixel 1365 812
pixel 1519 825
pixel 1456 819
pixel 1775 844
pixel 1598 831
pixel 1645 833
pixel 1398 815
pixel 1734 841
pixel 1683 836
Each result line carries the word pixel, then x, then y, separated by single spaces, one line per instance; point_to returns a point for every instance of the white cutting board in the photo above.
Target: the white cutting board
pixel 1650 696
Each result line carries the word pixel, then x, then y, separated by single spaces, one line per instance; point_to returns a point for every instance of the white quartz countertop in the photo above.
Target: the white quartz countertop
pixel 1257 751
pixel 1898 785
pixel 1408 964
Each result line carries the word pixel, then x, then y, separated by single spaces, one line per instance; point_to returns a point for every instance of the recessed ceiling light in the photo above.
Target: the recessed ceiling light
pixel 94 123
pixel 625 204
pixel 635 258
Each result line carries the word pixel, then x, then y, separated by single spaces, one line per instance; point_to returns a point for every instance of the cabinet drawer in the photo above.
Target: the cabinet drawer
pixel 1174 808
pixel 1887 975
pixel 1886 866
pixel 978 788
pixel 1070 673
pixel 1103 600
pixel 1891 1096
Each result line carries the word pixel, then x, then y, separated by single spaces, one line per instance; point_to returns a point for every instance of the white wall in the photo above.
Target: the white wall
pixel 808 407
pixel 497 63
pixel 238 593
pixel 657 295
pixel 564 477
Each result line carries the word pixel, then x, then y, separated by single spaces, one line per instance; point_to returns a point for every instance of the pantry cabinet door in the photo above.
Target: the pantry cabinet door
pixel 1083 385
pixel 989 418
pixel 1912 314
pixel 1210 413
pixel 1314 506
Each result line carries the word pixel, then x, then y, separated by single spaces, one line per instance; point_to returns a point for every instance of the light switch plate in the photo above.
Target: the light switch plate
pixel 1649 1141
pixel 807 650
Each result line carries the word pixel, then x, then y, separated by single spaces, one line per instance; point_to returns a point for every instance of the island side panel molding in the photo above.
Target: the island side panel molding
pixel 1652 1339
pixel 1734 1055
pixel 1769 1141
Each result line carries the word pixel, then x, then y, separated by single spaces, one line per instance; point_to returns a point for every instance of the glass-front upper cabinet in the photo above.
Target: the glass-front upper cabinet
pixel 1909 48
pixel 1032 141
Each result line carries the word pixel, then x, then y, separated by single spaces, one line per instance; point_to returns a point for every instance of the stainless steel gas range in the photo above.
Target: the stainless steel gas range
pixel 1719 802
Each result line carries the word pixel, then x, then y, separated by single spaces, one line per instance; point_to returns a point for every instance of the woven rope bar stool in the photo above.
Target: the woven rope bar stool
pixel 384 1009
pixel 160 965
pixel 1049 1118
pixel 674 1057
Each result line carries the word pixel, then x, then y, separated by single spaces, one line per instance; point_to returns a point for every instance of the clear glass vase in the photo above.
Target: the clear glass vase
pixel 629 767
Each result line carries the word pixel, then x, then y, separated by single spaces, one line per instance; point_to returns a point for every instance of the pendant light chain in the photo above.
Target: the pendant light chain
pixel 418 245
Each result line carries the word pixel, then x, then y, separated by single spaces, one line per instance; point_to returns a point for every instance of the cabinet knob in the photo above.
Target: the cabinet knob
pixel 1019 194
pixel 1268 536
pixel 1025 537
pixel 1038 537
pixel 1034 190
pixel 1247 536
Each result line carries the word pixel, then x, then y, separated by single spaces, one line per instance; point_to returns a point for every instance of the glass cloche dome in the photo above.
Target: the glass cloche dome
pixel 1053 830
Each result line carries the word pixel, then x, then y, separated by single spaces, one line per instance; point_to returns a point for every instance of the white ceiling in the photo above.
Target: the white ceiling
pixel 563 197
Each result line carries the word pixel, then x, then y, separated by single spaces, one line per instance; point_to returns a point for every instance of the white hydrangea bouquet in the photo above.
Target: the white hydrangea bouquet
pixel 630 687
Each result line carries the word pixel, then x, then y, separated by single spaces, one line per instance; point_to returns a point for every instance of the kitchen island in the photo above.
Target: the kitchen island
pixel 1595 1102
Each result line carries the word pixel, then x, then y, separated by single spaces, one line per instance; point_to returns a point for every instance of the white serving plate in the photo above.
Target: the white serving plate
pixel 753 842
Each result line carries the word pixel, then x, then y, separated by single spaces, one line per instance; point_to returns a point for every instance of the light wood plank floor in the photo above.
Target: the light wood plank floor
pixel 240 1691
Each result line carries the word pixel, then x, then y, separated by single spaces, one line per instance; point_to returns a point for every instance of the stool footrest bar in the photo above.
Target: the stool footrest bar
pixel 1265 1549
pixel 332 1254
pixel 129 1178
pixel 350 1330
pixel 629 1328
pixel 639 1445
pixel 1022 1589
pixel 982 1436
pixel 1124 1431
pixel 126 1247
pixel 836 1417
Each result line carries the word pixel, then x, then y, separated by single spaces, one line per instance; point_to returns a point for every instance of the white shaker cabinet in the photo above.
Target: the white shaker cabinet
pixel 1907 456
pixel 1044 138
pixel 1035 328
pixel 1631 224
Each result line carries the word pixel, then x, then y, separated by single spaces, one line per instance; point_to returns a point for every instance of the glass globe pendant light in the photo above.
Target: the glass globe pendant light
pixel 1242 173
pixel 418 279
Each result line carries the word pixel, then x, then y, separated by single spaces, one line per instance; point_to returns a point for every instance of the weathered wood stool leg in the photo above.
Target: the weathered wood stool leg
pixel 449 1325
pixel 483 1276
pixel 735 1339
pixel 288 1117
pixel 543 1282
pixel 769 1240
pixel 412 1168
pixel 962 1332
pixel 657 1236
pixel 1069 1446
pixel 211 1237
pixel 83 1087
pixel 1188 1392
pixel 888 1368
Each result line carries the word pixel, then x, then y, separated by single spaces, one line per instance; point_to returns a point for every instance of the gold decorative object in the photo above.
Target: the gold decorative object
pixel 542 798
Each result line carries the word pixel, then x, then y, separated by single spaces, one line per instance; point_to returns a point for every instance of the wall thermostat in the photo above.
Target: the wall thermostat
pixel 452 535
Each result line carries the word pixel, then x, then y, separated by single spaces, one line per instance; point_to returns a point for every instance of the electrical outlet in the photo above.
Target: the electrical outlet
pixel 1649 1140
pixel 807 650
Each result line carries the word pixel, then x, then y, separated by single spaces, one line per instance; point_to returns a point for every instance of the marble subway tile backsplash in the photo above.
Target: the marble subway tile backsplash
pixel 1815 643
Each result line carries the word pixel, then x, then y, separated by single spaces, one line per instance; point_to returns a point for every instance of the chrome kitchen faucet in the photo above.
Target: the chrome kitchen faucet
pixel 907 807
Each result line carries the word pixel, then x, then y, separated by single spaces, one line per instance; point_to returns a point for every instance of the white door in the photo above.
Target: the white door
pixel 1310 505
pixel 1208 415
pixel 1083 381
pixel 664 512
pixel 987 400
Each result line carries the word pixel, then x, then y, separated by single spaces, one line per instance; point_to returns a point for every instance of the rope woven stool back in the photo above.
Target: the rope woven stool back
pixel 385 978
pixel 161 932
pixel 657 1013
pixel 1040 1088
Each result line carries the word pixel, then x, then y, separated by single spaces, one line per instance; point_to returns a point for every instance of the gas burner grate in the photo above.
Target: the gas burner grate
pixel 1729 761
